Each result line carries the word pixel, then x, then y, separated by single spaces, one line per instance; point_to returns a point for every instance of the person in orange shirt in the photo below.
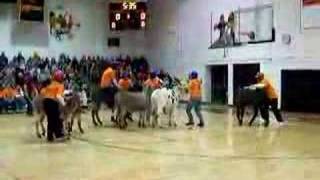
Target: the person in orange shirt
pixel 272 98
pixel 2 101
pixel 108 78
pixel 194 89
pixel 53 98
pixel 153 82
pixel 9 96
pixel 108 89
pixel 125 82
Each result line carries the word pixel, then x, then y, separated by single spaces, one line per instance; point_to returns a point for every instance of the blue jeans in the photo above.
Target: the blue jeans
pixel 2 104
pixel 20 103
pixel 10 104
pixel 196 105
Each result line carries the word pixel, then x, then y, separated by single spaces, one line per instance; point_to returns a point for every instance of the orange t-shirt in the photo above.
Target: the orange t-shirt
pixel 153 83
pixel 107 77
pixel 269 89
pixel 2 93
pixel 9 92
pixel 194 88
pixel 125 84
pixel 53 90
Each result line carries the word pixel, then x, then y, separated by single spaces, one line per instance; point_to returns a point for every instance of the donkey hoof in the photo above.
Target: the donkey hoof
pixel 39 136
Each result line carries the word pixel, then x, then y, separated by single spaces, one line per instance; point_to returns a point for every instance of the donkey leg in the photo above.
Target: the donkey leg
pixel 143 118
pixel 42 125
pixel 80 122
pixel 98 117
pixel 70 124
pixel 154 119
pixel 93 116
pixel 139 122
pixel 38 122
pixel 113 119
pixel 239 114
pixel 255 114
pixel 171 119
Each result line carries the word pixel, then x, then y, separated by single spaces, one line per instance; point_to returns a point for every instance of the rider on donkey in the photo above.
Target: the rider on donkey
pixel 108 87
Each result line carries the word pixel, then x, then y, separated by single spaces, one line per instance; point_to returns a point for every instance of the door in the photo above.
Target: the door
pixel 300 90
pixel 219 82
pixel 244 75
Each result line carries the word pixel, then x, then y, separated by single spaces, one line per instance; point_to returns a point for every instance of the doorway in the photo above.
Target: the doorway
pixel 244 75
pixel 219 84
pixel 300 90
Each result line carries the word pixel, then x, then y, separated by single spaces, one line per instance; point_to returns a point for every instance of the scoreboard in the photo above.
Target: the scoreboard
pixel 128 15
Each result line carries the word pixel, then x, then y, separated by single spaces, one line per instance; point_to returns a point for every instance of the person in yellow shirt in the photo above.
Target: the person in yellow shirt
pixel 53 98
pixel 272 98
pixel 194 89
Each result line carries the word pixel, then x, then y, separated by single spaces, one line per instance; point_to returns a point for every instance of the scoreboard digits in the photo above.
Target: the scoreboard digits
pixel 128 15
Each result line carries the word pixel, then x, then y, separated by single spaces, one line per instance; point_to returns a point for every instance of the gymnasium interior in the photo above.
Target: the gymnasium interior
pixel 228 44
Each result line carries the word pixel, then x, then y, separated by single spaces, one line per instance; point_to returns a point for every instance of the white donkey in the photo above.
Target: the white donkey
pixel 165 101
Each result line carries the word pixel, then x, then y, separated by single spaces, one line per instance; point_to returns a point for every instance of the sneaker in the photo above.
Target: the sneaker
pixel 285 123
pixel 189 124
pixel 201 125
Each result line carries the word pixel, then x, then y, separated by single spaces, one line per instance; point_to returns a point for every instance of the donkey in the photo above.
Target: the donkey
pixel 251 97
pixel 72 108
pixel 166 101
pixel 132 102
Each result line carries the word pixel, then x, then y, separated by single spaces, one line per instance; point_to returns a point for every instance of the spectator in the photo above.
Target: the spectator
pixel 3 60
pixel 2 100
pixel 10 97
pixel 19 99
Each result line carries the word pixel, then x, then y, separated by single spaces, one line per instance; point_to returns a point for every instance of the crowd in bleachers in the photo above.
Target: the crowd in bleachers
pixel 21 78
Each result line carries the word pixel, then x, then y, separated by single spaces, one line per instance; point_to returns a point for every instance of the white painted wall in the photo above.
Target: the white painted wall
pixel 180 33
pixel 91 38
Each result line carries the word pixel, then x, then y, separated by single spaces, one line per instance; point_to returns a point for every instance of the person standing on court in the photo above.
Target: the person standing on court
pixel 271 100
pixel 194 102
pixel 153 82
pixel 53 99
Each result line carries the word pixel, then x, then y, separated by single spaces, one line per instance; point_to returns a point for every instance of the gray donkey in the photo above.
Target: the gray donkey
pixel 72 108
